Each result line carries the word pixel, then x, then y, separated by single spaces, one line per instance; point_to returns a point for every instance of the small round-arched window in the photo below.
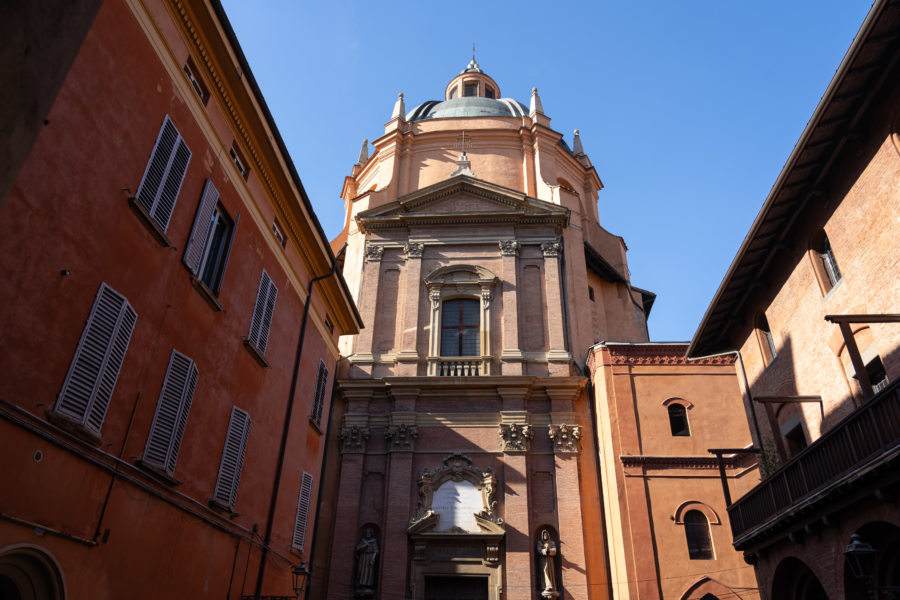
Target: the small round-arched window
pixel 696 531
pixel 678 421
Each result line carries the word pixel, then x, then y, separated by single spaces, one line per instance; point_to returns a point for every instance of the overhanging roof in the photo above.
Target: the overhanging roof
pixel 860 75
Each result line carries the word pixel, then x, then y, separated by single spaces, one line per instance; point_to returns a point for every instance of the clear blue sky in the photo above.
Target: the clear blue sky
pixel 688 110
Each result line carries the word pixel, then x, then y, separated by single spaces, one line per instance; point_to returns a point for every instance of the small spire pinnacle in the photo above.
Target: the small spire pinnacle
pixel 473 51
pixel 363 153
pixel 399 108
pixel 536 107
pixel 577 147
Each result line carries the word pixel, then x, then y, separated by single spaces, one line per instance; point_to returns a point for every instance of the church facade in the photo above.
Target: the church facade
pixel 467 450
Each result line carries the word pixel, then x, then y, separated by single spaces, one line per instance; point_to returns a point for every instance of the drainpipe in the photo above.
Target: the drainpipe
pixel 287 424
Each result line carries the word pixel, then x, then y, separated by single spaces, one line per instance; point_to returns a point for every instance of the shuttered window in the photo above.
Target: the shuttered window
pixel 209 244
pixel 262 313
pixel 319 400
pixel 229 476
pixel 171 415
pixel 302 512
pixel 164 174
pixel 92 375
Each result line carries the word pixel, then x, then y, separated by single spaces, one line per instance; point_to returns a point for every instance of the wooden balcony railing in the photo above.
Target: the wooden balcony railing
pixel 860 440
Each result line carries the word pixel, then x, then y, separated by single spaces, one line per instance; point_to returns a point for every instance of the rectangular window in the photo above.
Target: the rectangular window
pixel 488 92
pixel 193 75
pixel 460 327
pixel 238 159
pixel 225 494
pixel 163 176
pixel 263 310
pixel 209 244
pixel 89 384
pixel 279 235
pixel 170 419
pixel 470 89
pixel 319 399
pixel 299 537
pixel 877 375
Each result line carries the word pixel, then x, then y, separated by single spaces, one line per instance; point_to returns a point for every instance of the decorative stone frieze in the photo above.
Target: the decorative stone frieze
pixel 551 248
pixel 414 249
pixel 566 438
pixel 374 253
pixel 401 437
pixel 515 437
pixel 353 439
pixel 509 248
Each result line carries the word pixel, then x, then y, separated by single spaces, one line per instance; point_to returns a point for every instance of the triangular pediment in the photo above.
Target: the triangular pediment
pixel 462 200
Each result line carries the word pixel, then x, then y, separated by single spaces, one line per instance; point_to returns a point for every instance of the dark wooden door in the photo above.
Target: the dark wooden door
pixel 446 587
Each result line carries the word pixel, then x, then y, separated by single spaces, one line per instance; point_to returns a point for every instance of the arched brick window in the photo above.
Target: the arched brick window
pixel 678 421
pixel 765 339
pixel 696 531
pixel 824 262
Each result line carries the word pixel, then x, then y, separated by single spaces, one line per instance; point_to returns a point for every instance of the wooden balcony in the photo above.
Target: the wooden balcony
pixel 861 443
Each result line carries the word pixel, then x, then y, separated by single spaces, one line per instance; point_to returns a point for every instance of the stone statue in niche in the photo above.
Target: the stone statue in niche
pixel 546 550
pixel 366 555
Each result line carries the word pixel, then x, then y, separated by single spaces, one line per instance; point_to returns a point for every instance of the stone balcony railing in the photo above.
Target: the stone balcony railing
pixel 864 441
pixel 459 366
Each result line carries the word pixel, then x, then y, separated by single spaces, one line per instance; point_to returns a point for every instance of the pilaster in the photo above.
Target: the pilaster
pixel 557 353
pixel 408 357
pixel 371 277
pixel 511 355
pixel 516 443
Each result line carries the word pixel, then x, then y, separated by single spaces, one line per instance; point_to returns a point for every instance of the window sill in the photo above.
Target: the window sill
pixel 832 290
pixel 316 426
pixel 77 429
pixel 150 224
pixel 207 294
pixel 255 353
pixel 222 509
pixel 157 473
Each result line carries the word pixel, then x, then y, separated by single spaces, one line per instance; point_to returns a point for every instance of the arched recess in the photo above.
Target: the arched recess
pixel 685 403
pixel 707 588
pixel 556 562
pixel 707 511
pixel 794 580
pixel 29 573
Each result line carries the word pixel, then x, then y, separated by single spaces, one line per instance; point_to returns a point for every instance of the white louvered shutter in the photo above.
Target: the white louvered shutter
pixel 232 458
pixel 165 171
pixel 172 411
pixel 302 512
pixel 262 313
pixel 321 384
pixel 193 252
pixel 88 386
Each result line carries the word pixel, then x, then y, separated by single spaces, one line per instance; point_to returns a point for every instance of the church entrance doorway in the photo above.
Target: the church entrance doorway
pixel 445 587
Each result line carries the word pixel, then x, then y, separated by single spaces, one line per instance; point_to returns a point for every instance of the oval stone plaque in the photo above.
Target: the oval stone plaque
pixel 457 502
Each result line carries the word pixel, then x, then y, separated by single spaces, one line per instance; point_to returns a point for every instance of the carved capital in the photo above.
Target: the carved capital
pixel 353 439
pixel 515 437
pixel 509 248
pixel 486 298
pixel 401 437
pixel 414 249
pixel 551 249
pixel 374 253
pixel 566 438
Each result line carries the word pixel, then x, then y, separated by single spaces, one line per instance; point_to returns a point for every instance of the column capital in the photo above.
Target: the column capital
pixel 515 437
pixel 401 438
pixel 566 439
pixel 374 252
pixel 354 439
pixel 509 248
pixel 551 248
pixel 414 249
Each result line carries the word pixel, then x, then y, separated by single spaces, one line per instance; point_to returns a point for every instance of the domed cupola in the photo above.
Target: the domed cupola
pixel 472 93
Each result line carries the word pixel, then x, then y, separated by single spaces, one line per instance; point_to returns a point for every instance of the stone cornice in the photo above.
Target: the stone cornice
pixel 651 354
pixel 680 462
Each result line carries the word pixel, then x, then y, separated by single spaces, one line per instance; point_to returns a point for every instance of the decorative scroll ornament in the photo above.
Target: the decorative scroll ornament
pixel 515 437
pixel 457 468
pixel 566 438
pixel 374 253
pixel 486 298
pixel 414 249
pixel 353 439
pixel 551 248
pixel 435 299
pixel 509 248
pixel 401 437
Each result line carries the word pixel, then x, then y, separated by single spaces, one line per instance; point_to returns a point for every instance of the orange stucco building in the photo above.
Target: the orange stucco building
pixel 171 313
pixel 487 446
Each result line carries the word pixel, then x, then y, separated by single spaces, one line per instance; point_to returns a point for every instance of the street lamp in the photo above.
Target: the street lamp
pixel 859 556
pixel 300 576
